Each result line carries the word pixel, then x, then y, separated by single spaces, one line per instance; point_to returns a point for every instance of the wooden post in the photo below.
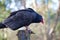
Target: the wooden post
pixel 22 35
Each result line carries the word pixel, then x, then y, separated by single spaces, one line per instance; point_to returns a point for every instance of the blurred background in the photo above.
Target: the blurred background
pixel 49 9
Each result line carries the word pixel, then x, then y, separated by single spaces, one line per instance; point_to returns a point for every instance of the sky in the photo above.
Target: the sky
pixel 54 5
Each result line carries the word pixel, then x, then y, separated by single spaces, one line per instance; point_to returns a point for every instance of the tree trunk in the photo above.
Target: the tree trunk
pixel 22 35
pixel 52 35
pixel 23 3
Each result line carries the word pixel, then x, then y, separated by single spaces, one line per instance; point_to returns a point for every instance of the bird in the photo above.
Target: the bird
pixel 20 18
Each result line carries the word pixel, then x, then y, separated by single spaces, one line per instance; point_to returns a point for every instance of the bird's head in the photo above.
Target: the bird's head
pixel 39 19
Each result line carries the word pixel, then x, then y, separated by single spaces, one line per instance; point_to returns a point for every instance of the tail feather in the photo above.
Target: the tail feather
pixel 2 26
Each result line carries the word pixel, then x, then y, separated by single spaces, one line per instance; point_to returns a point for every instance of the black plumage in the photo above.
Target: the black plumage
pixel 2 26
pixel 22 18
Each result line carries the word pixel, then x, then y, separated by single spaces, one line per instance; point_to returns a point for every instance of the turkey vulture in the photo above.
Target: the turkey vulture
pixel 21 18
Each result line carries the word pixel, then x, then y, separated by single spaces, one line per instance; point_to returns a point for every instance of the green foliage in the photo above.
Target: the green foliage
pixel 52 16
pixel 58 26
pixel 3 15
pixel 3 12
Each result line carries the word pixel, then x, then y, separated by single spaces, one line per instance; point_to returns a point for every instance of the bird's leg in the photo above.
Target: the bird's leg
pixel 27 32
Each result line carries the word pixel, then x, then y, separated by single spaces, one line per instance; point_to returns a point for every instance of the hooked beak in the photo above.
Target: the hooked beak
pixel 42 21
